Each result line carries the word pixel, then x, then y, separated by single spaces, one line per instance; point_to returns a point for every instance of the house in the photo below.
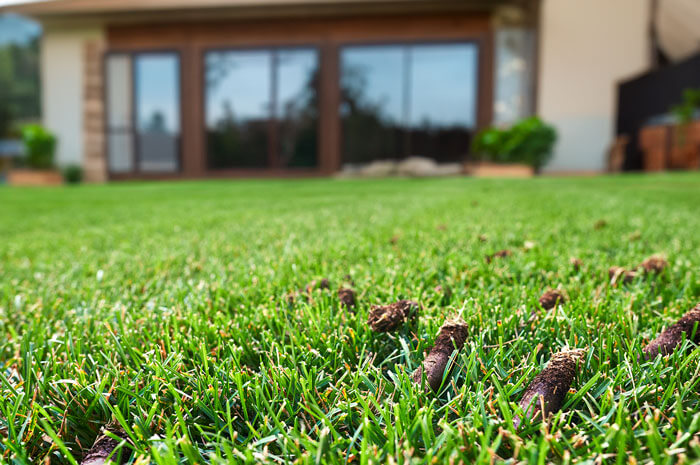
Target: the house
pixel 202 88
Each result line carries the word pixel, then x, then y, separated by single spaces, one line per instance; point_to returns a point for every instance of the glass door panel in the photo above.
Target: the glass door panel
pixel 157 97
pixel 296 111
pixel 372 105
pixel 238 109
pixel 120 142
pixel 443 100
pixel 408 99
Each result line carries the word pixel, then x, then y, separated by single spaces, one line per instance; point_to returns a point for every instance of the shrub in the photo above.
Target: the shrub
pixel 73 174
pixel 529 141
pixel 685 111
pixel 40 146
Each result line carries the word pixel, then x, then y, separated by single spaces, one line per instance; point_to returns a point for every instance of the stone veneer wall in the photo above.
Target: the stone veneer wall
pixel 95 156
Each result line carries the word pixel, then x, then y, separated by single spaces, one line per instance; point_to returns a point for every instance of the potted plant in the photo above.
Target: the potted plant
pixel 39 150
pixel 520 150
pixel 684 150
pixel 672 141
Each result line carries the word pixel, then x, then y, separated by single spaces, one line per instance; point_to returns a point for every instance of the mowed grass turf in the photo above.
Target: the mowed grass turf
pixel 164 307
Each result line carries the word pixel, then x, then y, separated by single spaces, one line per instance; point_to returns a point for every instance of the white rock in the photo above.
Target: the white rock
pixel 379 168
pixel 449 169
pixel 417 166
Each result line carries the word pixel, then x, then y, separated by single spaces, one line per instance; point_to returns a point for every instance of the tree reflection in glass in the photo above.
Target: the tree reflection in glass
pixel 297 107
pixel 442 85
pixel 371 103
pixel 403 100
pixel 157 95
pixel 237 108
pixel 257 98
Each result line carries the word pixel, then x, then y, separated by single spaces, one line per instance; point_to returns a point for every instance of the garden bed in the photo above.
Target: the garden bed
pixel 34 178
pixel 486 169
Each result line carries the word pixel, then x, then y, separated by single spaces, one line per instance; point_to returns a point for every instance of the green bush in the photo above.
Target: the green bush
pixel 73 174
pixel 529 141
pixel 40 146
pixel 685 111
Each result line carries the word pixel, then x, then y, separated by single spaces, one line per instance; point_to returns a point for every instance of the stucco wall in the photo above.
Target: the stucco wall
pixel 62 68
pixel 586 47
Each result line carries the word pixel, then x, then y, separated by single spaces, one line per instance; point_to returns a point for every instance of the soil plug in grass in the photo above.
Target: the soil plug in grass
pixel 347 297
pixel 654 264
pixel 104 446
pixel 547 391
pixel 668 340
pixel 617 274
pixel 452 337
pixel 551 298
pixel 322 284
pixel 576 263
pixel 385 318
pixel 500 254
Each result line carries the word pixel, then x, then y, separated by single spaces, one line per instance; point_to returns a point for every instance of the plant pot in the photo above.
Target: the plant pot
pixel 486 169
pixel 671 147
pixel 653 140
pixel 684 153
pixel 34 178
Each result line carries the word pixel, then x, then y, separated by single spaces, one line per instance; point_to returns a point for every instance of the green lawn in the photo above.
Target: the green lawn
pixel 164 307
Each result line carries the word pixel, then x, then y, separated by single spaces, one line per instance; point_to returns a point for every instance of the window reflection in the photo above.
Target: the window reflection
pixel 442 84
pixel 119 114
pixel 403 100
pixel 143 112
pixel 372 103
pixel 157 90
pixel 515 49
pixel 255 97
pixel 297 107
pixel 238 108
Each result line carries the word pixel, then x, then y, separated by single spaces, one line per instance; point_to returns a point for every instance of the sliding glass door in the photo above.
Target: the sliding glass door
pixel 408 99
pixel 143 113
pixel 261 108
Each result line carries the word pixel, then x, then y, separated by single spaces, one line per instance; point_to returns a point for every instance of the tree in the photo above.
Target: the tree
pixel 19 84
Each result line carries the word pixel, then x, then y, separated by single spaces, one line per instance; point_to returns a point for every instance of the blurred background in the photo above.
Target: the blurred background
pixel 98 90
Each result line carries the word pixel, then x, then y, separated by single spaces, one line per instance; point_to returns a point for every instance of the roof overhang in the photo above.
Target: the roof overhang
pixel 67 8
pixel 87 13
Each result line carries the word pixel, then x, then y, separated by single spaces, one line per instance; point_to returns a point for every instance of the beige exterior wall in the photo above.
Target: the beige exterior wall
pixel 586 48
pixel 62 71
